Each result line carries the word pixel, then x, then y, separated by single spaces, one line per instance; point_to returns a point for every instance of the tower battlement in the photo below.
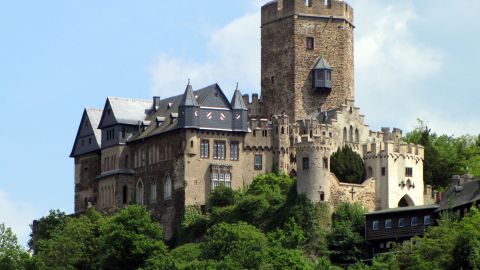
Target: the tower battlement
pixel 386 148
pixel 279 9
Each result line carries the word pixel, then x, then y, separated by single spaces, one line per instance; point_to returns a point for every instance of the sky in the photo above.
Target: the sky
pixel 413 59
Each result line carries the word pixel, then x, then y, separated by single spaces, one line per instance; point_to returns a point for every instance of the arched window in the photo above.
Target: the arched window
pixel 351 134
pixel 325 163
pixel 139 192
pixel 344 134
pixel 283 130
pixel 405 201
pixel 311 133
pixel 357 136
pixel 125 194
pixel 167 188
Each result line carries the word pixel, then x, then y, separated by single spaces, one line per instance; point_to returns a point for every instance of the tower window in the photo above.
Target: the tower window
pixel 258 162
pixel 272 80
pixel 234 150
pixel 383 171
pixel 306 163
pixel 310 43
pixel 308 3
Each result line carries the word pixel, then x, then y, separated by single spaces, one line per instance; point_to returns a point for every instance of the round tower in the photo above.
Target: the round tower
pixel 313 167
pixel 296 36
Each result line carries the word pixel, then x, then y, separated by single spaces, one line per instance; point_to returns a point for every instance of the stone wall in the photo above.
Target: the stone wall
pixel 362 193
pixel 287 63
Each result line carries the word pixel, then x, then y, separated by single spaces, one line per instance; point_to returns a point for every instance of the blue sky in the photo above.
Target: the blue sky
pixel 412 59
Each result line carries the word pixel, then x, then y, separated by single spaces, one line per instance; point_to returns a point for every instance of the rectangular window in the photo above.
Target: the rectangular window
pixel 258 162
pixel 310 43
pixel 214 180
pixel 408 172
pixel 375 225
pixel 219 150
pixel 204 149
pixel 388 223
pixel 401 222
pixel 384 171
pixel 413 221
pixel 426 220
pixel 306 163
pixel 228 180
pixel 234 151
pixel 153 192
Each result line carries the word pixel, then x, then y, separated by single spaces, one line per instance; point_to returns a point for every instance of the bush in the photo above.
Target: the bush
pixel 348 166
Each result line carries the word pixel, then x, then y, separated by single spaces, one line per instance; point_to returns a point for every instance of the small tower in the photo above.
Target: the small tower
pixel 313 167
pixel 188 109
pixel 322 76
pixel 240 111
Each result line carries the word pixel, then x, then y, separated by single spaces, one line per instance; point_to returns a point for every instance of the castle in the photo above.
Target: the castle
pixel 170 153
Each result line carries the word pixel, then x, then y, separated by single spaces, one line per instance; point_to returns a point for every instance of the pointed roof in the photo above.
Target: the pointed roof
pixel 237 100
pixel 87 129
pixel 322 64
pixel 188 98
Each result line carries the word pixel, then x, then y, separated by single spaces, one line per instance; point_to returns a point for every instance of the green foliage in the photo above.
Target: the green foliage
pixel 222 196
pixel 446 155
pixel 12 255
pixel 193 226
pixel 240 242
pixel 454 244
pixel 75 246
pixel 129 238
pixel 291 236
pixel 346 241
pixel 286 259
pixel 348 166
pixel 324 263
pixel 45 226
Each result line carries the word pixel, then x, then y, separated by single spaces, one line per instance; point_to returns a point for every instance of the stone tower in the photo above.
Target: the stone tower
pixel 296 35
pixel 313 167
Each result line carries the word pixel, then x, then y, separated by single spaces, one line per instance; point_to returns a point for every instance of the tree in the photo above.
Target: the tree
pixel 75 246
pixel 130 238
pixel 346 241
pixel 222 196
pixel 43 228
pixel 12 255
pixel 240 243
pixel 348 166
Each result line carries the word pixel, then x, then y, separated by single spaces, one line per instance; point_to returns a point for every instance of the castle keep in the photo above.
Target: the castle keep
pixel 169 153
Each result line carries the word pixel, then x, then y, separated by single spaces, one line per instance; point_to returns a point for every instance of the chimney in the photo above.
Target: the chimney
pixel 156 103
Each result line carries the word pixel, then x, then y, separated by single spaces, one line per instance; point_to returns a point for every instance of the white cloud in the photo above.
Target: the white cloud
pixel 235 57
pixel 16 214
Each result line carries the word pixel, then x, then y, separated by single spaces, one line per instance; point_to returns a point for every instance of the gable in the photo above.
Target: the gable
pixel 108 117
pixel 215 98
pixel 88 136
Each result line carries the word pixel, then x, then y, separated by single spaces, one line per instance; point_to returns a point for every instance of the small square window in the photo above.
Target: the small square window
pixel 413 221
pixel 408 172
pixel 310 43
pixel 401 222
pixel 375 225
pixel 388 223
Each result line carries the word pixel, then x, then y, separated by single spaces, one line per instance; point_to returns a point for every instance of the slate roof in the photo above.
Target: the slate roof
pixel 95 115
pixel 128 110
pixel 322 64
pixel 323 117
pixel 402 209
pixel 188 98
pixel 168 108
pixel 460 195
pixel 237 100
